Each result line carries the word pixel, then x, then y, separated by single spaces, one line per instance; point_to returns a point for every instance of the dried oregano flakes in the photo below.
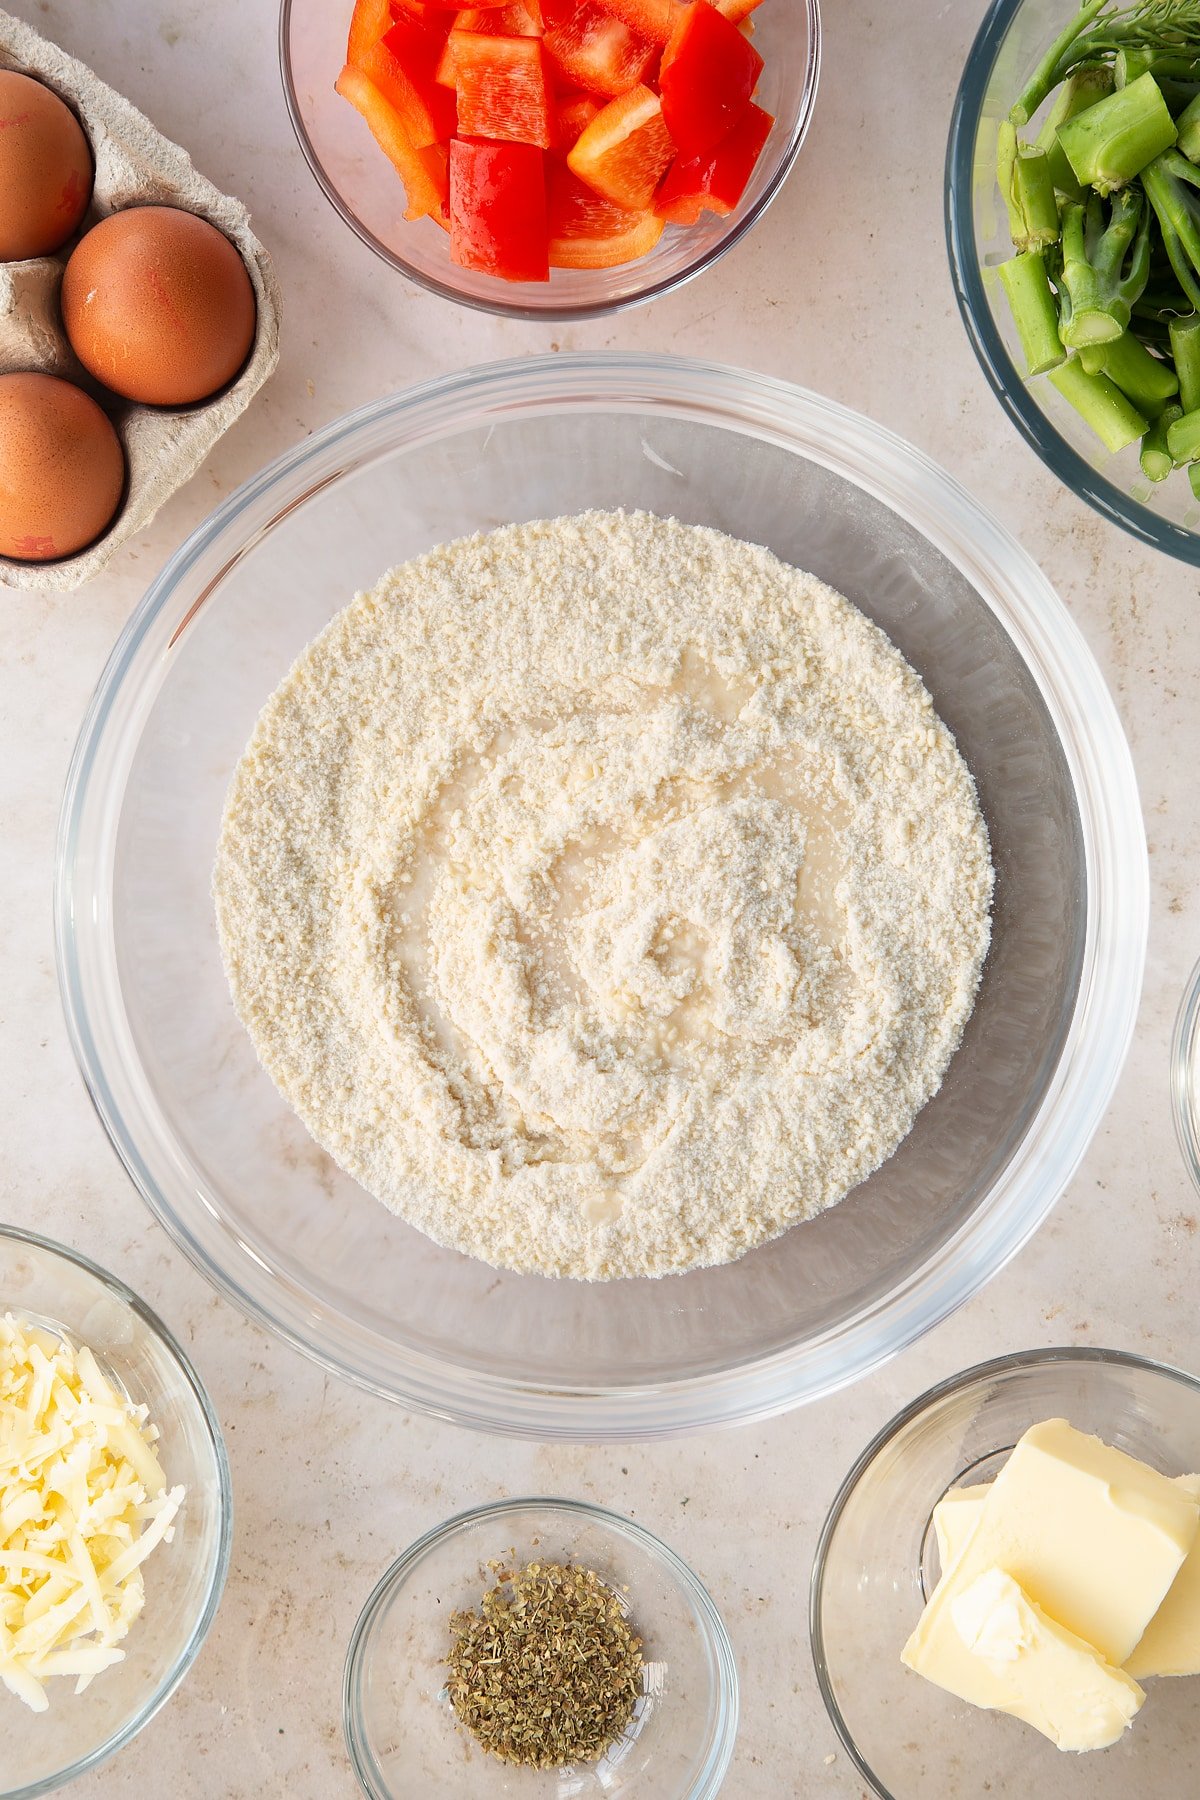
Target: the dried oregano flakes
pixel 548 1669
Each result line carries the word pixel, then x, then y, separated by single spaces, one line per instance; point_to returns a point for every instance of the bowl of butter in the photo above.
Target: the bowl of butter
pixel 1006 1592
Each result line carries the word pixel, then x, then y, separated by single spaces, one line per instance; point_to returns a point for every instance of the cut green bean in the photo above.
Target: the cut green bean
pixel 1113 141
pixel 1194 478
pixel 1146 380
pixel 1101 404
pixel 1156 459
pixel 1034 311
pixel 1183 439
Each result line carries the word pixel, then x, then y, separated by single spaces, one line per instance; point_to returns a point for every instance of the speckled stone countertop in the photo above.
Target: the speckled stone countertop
pixel 845 289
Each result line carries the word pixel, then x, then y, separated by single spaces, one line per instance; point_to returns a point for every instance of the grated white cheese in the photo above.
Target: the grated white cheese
pixel 83 1502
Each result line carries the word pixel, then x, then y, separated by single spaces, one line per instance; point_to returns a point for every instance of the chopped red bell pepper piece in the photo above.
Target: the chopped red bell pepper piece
pixel 368 22
pixel 498 210
pixel 709 72
pixel 572 113
pixel 626 150
pixel 737 10
pixel 593 50
pixel 403 67
pixel 588 232
pixel 503 90
pixel 716 180
pixel 423 171
pixel 653 20
pixel 499 21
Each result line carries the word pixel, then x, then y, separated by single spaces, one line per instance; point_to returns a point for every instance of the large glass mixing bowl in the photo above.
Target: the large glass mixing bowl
pixel 233 1174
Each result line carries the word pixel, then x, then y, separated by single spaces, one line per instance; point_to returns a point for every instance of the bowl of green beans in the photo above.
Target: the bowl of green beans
pixel 1073 225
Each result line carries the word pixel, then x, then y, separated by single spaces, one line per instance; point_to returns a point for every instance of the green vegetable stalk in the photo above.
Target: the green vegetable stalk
pixel 1183 439
pixel 1113 141
pixel 1105 267
pixel 1169 182
pixel 1185 352
pixel 1170 28
pixel 1101 404
pixel 1156 460
pixel 1187 125
pixel 1081 90
pixel 1028 188
pixel 1034 311
pixel 1147 380
pixel 1055 65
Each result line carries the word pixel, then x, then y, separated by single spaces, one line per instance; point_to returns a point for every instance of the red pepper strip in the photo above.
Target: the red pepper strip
pixel 403 68
pixel 587 232
pixel 593 50
pixel 715 181
pixel 572 113
pixel 737 10
pixel 498 210
pixel 503 92
pixel 499 21
pixel 653 20
pixel 492 21
pixel 626 150
pixel 709 71
pixel 368 22
pixel 423 171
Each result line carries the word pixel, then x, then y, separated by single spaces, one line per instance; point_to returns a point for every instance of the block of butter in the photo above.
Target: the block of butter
pixel 1170 1644
pixel 1091 1538
pixel 1007 1655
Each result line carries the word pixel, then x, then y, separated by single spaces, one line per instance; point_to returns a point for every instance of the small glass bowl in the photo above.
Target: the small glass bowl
pixel 403 1736
pixel 1185 1075
pixel 1012 38
pixel 359 182
pixel 46 1284
pixel 877 1562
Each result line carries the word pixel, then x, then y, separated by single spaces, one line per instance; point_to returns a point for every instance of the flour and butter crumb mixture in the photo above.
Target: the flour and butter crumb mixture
pixel 604 894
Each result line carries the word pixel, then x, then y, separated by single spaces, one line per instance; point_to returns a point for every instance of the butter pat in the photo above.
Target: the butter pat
pixel 1006 1655
pixel 1093 1537
pixel 954 1519
pixel 1170 1644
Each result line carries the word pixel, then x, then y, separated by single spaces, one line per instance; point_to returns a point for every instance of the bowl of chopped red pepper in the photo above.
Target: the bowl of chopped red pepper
pixel 550 158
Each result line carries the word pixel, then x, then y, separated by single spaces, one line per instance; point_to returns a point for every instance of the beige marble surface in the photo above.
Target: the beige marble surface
pixel 846 290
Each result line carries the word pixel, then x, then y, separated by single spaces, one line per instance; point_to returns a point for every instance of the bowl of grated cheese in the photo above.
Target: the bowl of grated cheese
pixel 115 1515
pixel 231 1171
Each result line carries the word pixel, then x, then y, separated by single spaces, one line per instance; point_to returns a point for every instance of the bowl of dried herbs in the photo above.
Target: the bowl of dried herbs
pixel 540 1648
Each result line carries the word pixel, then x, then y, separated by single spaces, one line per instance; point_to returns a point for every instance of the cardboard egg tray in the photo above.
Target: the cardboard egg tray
pixel 135 165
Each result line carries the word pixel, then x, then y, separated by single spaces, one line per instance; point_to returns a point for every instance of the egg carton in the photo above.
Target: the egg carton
pixel 135 165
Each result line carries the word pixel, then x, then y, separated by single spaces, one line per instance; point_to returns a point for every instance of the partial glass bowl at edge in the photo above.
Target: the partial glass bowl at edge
pixel 1011 40
pixel 1185 1076
pixel 876 1564
pixel 49 1285
pixel 401 1732
pixel 232 1173
pixel 361 185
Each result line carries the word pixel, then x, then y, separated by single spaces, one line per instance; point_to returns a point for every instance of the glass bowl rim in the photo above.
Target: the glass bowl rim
pixel 83 1765
pixel 1084 716
pixel 913 1410
pixel 515 309
pixel 1185 1048
pixel 707 1783
pixel 1003 376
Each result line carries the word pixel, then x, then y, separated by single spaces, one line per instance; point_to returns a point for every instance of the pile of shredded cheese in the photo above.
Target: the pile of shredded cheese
pixel 83 1502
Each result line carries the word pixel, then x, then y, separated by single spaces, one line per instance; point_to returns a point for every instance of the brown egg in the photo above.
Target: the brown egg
pixel 158 306
pixel 45 169
pixel 62 470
